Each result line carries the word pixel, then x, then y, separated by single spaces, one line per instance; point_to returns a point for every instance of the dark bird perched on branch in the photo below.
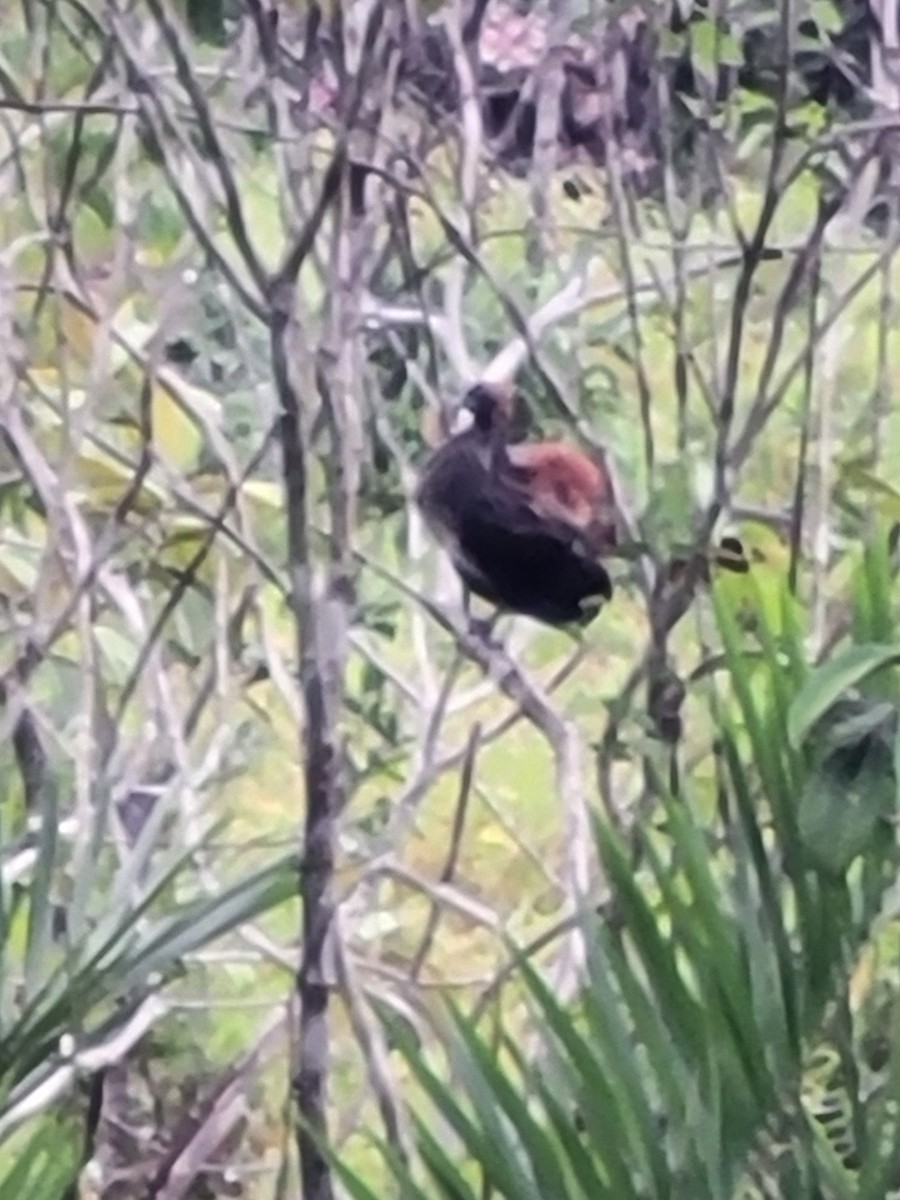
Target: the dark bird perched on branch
pixel 524 524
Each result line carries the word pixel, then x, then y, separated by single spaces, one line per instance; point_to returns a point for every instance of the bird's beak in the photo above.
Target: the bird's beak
pixel 463 421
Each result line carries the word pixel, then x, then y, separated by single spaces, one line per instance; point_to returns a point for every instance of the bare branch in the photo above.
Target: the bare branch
pixel 447 872
pixel 213 148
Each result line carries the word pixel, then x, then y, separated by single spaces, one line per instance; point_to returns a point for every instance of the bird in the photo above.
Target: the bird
pixel 525 524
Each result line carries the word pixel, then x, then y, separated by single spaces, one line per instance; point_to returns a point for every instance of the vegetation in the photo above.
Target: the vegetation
pixel 304 889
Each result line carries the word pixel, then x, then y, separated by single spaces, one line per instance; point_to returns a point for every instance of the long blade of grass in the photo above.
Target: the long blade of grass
pixel 604 1111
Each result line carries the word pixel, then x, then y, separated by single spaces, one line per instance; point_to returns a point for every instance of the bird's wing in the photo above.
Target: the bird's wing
pixel 561 482
pixel 562 463
pixel 504 512
pixel 524 546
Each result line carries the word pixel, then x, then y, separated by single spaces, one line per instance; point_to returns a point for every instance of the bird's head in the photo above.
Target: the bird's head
pixel 485 407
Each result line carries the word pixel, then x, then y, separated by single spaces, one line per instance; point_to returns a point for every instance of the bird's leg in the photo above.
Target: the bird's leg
pixel 484 627
pixel 576 634
pixel 480 627
pixel 472 623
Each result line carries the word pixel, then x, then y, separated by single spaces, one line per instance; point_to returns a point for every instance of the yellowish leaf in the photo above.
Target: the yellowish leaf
pixel 68 646
pixel 119 652
pixel 133 330
pixel 548 901
pixel 495 835
pixel 863 976
pixel 262 212
pixel 177 433
pixel 19 565
pixel 885 496
pixel 266 493
pixel 185 536
pixel 91 235
pixel 78 327
pixel 103 480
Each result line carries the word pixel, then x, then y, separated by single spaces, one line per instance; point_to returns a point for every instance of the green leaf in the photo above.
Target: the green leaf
pixel 833 679
pixel 843 802
pixel 119 652
pixel 498 1091
pixel 712 48
pixel 667 519
pixel 473 1136
pixel 604 1108
pixel 827 15
pixel 125 951
pixel 753 102
pixel 39 950
pixel 445 1171
pixel 43 1167
pixel 872 586
pixel 354 1183
pixel 683 1013
pixel 585 1170
pixel 752 690
pixel 206 19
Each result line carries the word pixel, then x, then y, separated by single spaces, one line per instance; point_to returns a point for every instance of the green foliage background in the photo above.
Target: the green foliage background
pixel 137 392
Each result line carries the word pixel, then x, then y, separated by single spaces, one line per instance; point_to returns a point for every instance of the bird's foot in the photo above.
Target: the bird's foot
pixel 482 628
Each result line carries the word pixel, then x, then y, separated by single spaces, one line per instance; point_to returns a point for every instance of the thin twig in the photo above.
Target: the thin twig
pixel 449 868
